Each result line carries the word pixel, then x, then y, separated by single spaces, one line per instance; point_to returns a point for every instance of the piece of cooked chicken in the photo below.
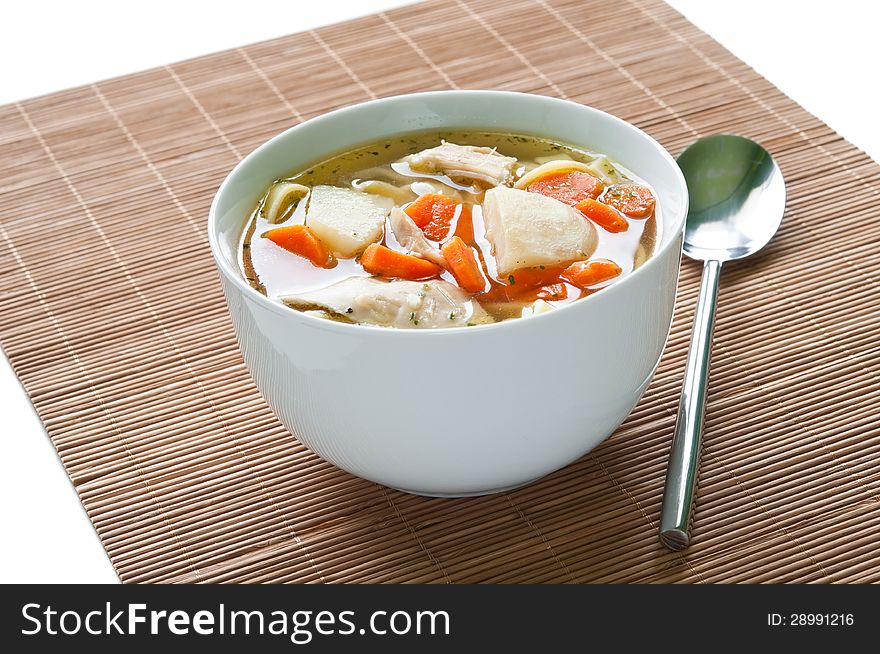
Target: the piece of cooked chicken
pixel 345 220
pixel 530 229
pixel 412 238
pixel 399 303
pixel 468 161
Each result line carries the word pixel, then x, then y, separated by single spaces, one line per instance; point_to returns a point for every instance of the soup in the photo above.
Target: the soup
pixel 450 229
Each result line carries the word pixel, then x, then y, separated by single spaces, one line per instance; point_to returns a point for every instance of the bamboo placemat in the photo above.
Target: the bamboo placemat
pixel 113 318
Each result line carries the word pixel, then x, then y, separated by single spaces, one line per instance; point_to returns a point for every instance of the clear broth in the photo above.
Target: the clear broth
pixel 276 272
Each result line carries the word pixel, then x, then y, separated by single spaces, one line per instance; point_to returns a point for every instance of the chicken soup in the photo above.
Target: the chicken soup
pixel 448 230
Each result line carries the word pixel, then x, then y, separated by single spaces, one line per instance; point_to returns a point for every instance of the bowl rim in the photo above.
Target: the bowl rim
pixel 341 327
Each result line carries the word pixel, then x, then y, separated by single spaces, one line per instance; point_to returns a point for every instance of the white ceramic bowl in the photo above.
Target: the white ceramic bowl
pixel 455 411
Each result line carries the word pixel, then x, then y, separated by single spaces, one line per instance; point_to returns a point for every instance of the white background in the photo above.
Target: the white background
pixel 821 55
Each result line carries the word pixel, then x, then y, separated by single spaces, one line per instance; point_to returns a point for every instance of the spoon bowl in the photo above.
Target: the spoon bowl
pixel 737 199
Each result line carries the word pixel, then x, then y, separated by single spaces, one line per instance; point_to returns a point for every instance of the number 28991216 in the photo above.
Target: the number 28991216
pixel 810 619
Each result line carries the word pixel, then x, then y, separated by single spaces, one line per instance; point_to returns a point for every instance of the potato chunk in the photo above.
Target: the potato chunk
pixel 536 308
pixel 529 229
pixel 345 220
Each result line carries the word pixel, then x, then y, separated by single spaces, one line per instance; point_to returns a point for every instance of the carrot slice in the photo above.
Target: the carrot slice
pixel 549 293
pixel 464 265
pixel 433 213
pixel 589 273
pixel 464 224
pixel 300 240
pixel 571 187
pixel 606 217
pixel 552 292
pixel 634 200
pixel 537 282
pixel 536 276
pixel 379 260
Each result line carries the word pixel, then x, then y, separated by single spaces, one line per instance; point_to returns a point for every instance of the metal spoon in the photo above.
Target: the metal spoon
pixel 737 198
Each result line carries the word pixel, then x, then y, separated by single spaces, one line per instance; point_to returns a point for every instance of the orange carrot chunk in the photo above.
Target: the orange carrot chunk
pixel 634 200
pixel 606 217
pixel 584 274
pixel 379 260
pixel 433 213
pixel 534 276
pixel 550 292
pixel 463 265
pixel 571 187
pixel 300 240
pixel 464 224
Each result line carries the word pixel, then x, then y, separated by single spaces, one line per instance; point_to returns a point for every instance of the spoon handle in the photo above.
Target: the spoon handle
pixel 684 458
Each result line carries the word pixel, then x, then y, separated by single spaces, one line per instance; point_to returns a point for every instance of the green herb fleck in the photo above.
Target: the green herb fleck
pixel 452 315
pixel 511 280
